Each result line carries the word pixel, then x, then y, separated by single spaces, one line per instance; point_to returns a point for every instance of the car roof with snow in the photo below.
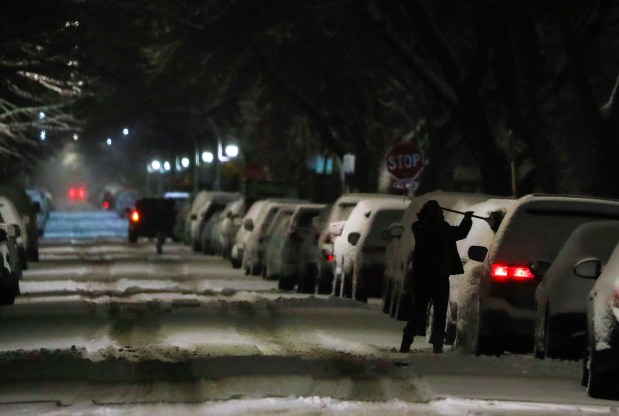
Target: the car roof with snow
pixel 367 208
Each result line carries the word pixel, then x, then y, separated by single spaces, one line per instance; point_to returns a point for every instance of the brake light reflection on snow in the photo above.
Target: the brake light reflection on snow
pixel 502 273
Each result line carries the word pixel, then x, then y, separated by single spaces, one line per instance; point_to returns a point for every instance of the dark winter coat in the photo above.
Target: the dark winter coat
pixel 436 252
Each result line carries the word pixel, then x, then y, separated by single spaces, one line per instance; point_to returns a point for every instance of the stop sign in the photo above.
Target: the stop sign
pixel 404 161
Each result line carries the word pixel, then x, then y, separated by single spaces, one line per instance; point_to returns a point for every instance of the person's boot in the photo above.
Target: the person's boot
pixel 407 340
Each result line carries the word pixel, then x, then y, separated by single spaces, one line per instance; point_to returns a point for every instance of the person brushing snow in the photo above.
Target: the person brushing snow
pixel 435 258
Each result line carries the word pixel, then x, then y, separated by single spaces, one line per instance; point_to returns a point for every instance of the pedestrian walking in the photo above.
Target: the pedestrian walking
pixel 435 258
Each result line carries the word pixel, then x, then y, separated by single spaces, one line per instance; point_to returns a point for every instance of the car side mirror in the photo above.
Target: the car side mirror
pixel 477 253
pixel 249 224
pixel 353 238
pixel 17 230
pixel 12 231
pixel 36 207
pixel 335 228
pixel 588 268
pixel 237 221
pixel 385 235
pixel 396 230
pixel 193 217
pixel 3 236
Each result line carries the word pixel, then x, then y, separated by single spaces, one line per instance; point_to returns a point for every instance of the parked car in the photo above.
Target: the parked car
pixel 229 225
pixel 561 297
pixel 340 211
pixel 207 244
pixel 501 312
pixel 253 257
pixel 11 216
pixel 601 357
pixel 397 296
pixel 10 267
pixel 183 206
pixel 273 239
pixel 243 233
pixel 359 250
pixel 204 206
pixel 298 251
pixel 27 211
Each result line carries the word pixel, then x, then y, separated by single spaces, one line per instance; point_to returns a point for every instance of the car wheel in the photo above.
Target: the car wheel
pixel 255 270
pixel 307 280
pixel 539 344
pixel 359 291
pixel 386 306
pixel 404 306
pixel 603 384
pixel 133 238
pixel 7 288
pixel 236 264
pixel 346 286
pixel 285 283
pixel 325 283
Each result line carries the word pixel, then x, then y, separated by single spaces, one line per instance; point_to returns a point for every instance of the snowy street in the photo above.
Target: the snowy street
pixel 107 327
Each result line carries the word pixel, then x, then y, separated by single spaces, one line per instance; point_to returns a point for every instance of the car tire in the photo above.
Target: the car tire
pixel 23 258
pixel 133 238
pixel 359 290
pixel 255 270
pixel 7 288
pixel 539 339
pixel 346 286
pixel 285 283
pixel 404 306
pixel 602 384
pixel 307 279
pixel 236 264
pixel 325 283
pixel 387 292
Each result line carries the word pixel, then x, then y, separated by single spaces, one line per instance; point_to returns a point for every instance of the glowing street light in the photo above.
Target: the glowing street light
pixel 166 166
pixel 109 141
pixel 43 135
pixel 155 165
pixel 185 162
pixel 75 136
pixel 207 157
pixel 232 150
pixel 41 115
pixel 126 131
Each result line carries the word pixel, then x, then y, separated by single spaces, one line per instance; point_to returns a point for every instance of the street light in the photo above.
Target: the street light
pixel 207 157
pixel 109 141
pixel 166 166
pixel 185 162
pixel 75 136
pixel 232 150
pixel 125 131
pixel 155 165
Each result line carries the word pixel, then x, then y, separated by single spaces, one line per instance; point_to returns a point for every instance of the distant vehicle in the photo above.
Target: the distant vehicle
pixel 243 233
pixel 601 357
pixel 502 279
pixel 151 215
pixel 272 240
pixel 229 225
pixel 77 193
pixel 359 249
pixel 561 297
pixel 205 204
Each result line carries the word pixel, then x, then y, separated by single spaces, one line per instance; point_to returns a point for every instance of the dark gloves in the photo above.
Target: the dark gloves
pixel 468 214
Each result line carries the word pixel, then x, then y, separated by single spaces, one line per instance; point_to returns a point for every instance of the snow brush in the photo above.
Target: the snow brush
pixel 493 220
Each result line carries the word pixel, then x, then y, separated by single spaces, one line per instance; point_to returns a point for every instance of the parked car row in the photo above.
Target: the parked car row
pixel 541 272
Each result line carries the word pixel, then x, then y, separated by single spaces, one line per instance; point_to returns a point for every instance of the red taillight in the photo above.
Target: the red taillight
pixel 106 205
pixel 135 216
pixel 330 257
pixel 81 193
pixel 502 273
pixel 72 193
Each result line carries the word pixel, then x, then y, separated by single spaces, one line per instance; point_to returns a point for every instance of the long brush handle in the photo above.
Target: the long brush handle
pixel 460 212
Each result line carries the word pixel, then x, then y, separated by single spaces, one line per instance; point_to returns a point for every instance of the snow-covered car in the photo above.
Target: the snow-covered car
pixel 27 212
pixel 601 358
pixel 359 250
pixel 226 229
pixel 340 210
pixel 10 266
pixel 397 295
pixel 253 257
pixel 243 233
pixel 293 255
pixel 561 297
pixel 208 243
pixel 501 314
pixel 273 239
pixel 11 216
pixel 203 207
